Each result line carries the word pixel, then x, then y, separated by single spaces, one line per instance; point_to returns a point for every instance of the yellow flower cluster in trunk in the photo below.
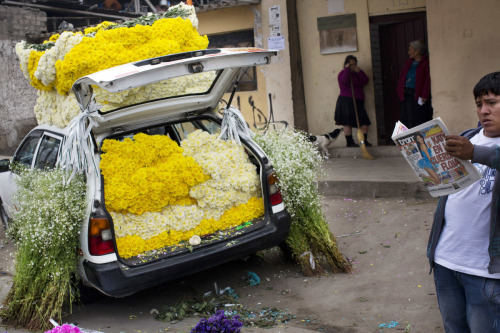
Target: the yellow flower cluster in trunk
pixel 133 245
pixel 147 174
pixel 159 194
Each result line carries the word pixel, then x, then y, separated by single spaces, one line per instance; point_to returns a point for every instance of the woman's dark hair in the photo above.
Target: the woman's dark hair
pixel 418 143
pixel 488 84
pixel 349 58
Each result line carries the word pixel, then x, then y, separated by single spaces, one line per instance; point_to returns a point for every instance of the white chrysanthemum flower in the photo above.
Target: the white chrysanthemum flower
pixel 55 109
pixel 24 56
pixel 233 183
pixel 46 70
pixel 190 10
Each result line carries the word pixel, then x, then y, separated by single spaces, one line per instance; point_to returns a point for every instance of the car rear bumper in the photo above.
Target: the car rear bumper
pixel 114 281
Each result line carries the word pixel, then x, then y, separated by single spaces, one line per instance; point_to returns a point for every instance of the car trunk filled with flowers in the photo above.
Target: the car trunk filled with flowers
pixel 160 194
pixel 167 187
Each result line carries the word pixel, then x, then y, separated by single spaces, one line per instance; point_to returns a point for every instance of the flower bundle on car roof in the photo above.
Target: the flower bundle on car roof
pixel 53 66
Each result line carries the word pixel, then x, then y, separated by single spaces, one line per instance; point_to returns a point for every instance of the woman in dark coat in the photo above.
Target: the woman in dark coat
pixel 414 87
pixel 344 111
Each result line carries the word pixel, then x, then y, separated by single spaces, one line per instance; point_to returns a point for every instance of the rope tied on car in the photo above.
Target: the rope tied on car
pixel 234 126
pixel 77 151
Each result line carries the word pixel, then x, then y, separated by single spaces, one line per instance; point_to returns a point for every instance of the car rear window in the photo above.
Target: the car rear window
pixel 177 131
pixel 199 83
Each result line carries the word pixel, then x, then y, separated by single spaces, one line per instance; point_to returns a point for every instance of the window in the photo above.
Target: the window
pixel 248 75
pixel 47 153
pixel 178 131
pixel 26 152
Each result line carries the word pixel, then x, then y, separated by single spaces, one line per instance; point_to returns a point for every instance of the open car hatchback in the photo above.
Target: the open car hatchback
pixel 171 96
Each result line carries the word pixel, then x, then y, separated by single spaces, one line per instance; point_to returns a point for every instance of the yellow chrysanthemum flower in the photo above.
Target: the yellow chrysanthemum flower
pixel 132 245
pixel 54 38
pixel 100 26
pixel 147 173
pixel 145 166
pixel 32 66
pixel 115 47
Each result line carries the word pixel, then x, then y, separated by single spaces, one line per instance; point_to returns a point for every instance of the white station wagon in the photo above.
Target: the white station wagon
pixel 175 116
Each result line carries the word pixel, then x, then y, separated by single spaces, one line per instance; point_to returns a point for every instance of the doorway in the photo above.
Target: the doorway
pixel 390 37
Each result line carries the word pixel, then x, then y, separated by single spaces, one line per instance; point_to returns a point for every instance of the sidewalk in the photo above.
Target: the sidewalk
pixel 388 175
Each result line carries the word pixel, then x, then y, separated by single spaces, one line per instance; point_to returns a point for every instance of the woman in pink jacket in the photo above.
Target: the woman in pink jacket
pixel 344 111
pixel 414 87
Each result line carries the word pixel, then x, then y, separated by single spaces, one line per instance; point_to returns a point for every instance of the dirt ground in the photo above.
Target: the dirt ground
pixel 389 290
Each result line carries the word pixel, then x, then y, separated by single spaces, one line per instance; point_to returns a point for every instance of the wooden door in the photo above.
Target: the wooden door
pixel 395 34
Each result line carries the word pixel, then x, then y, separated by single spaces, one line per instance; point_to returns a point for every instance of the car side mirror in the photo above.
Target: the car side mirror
pixel 4 165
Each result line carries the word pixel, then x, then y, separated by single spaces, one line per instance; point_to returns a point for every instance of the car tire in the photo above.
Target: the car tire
pixel 4 217
pixel 286 250
pixel 88 295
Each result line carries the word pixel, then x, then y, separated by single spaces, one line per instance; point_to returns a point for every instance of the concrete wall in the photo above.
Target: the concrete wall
pixel 463 42
pixel 278 76
pixel 17 22
pixel 237 19
pixel 385 7
pixel 255 105
pixel 321 71
pixel 225 20
pixel 17 96
pixel 463 37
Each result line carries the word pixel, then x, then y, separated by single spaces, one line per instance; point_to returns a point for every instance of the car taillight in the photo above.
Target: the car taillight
pixel 274 192
pixel 100 237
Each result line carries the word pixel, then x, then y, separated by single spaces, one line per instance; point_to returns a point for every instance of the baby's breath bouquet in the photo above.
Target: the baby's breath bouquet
pixel 297 164
pixel 46 228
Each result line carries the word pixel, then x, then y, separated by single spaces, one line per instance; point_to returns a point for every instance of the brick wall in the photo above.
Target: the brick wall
pixel 17 96
pixel 17 22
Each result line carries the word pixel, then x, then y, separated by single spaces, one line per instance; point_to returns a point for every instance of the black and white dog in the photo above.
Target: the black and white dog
pixel 324 141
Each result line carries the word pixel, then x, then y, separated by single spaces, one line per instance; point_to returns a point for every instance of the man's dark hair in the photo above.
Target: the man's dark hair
pixel 488 84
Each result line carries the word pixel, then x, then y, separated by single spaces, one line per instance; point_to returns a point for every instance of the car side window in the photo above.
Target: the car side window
pixel 26 152
pixel 47 153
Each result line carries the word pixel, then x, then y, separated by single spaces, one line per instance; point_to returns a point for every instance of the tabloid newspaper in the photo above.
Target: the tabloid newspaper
pixel 423 148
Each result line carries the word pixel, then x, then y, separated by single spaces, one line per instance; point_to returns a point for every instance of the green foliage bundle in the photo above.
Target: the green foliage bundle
pixel 46 228
pixel 297 164
pixel 207 306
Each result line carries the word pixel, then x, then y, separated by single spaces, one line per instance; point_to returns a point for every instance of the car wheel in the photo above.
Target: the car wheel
pixel 87 295
pixel 4 217
pixel 287 250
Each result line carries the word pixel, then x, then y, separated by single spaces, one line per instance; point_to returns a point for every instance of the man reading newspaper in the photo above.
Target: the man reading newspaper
pixel 464 244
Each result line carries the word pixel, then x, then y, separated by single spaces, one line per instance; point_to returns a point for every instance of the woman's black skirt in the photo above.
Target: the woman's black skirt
pixel 344 112
pixel 413 114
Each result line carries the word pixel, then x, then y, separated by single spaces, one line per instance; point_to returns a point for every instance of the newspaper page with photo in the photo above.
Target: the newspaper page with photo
pixel 423 148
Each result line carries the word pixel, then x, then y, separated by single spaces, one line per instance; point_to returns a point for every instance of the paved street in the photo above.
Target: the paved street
pixel 385 238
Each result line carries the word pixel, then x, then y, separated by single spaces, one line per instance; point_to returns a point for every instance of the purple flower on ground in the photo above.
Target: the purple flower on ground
pixel 219 323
